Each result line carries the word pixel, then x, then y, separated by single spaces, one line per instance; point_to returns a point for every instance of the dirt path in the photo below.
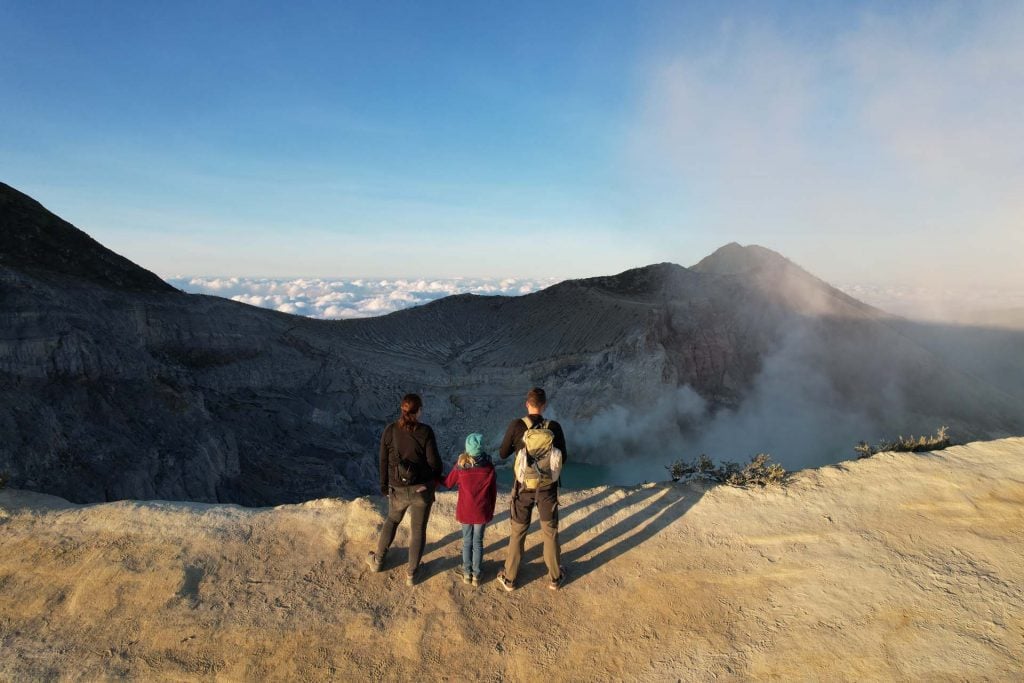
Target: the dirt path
pixel 899 567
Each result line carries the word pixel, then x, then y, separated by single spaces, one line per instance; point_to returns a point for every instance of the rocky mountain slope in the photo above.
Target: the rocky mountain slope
pixel 114 385
pixel 900 567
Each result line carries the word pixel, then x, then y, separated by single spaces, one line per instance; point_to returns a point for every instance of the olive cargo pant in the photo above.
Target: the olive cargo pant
pixel 520 512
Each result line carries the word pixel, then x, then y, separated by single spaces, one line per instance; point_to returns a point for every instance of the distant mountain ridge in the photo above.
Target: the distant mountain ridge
pixel 35 241
pixel 116 385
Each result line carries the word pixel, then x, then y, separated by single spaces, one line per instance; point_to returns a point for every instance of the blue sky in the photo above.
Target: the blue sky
pixel 537 140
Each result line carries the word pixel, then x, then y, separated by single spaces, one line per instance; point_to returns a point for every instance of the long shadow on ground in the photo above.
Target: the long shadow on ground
pixel 453 558
pixel 664 507
pixel 659 507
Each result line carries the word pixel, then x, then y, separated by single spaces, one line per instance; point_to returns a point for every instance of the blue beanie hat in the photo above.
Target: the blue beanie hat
pixel 475 444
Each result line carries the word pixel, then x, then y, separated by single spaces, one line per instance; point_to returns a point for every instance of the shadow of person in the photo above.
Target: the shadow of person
pixel 667 503
pixel 569 532
pixel 572 526
pixel 531 567
pixel 457 535
pixel 659 506
pixel 494 559
pixel 656 507
pixel 503 504
pixel 582 504
pixel 437 566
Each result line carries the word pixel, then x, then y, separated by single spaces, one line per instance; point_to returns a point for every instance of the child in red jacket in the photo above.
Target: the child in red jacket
pixel 478 491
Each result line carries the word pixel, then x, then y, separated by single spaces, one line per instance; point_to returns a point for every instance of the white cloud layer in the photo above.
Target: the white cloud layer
pixel 339 298
pixel 342 298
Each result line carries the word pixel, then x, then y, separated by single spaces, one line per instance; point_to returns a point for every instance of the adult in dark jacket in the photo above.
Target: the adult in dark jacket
pixel 524 500
pixel 409 470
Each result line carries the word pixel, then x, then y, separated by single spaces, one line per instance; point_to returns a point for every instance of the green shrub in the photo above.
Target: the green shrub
pixel 760 471
pixel 687 470
pixel 864 449
pixel 907 444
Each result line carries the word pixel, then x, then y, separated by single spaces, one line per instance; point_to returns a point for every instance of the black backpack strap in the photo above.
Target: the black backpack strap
pixel 394 441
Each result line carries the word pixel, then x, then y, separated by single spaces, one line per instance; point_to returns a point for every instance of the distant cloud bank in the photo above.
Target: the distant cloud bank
pixel 340 298
pixel 937 303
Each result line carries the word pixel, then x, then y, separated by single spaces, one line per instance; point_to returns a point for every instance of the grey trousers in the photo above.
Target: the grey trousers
pixel 404 498
pixel 520 513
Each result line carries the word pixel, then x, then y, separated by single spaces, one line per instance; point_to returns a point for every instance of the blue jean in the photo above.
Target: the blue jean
pixel 472 548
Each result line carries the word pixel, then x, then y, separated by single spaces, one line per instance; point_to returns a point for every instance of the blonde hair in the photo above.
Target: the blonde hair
pixel 465 460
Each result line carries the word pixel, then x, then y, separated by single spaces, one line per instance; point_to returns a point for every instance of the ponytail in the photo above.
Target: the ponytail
pixel 411 404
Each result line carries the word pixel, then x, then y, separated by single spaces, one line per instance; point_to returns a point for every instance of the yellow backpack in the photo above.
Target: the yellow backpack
pixel 538 463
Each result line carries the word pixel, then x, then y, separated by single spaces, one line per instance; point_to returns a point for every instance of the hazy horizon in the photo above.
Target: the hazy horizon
pixel 342 297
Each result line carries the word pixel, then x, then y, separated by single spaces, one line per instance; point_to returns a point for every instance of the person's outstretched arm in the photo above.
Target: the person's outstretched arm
pixel 492 490
pixel 433 459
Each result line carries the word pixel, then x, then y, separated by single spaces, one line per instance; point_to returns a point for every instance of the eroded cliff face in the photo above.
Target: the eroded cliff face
pixel 110 395
pixel 115 386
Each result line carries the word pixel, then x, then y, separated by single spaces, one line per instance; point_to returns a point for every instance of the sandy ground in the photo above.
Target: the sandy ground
pixel 901 567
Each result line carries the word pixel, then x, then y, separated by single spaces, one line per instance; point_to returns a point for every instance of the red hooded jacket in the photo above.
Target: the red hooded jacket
pixel 478 492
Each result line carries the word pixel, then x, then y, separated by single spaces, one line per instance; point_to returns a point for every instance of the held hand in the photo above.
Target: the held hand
pixel 421 489
pixel 385 490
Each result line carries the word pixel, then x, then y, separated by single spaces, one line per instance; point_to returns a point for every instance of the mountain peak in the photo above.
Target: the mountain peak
pixel 36 241
pixel 735 258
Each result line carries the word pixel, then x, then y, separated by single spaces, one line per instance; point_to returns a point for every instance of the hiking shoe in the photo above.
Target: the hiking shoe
pixel 505 583
pixel 462 574
pixel 371 560
pixel 475 581
pixel 560 581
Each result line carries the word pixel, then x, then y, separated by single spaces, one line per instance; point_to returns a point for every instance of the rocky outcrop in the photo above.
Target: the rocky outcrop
pixel 36 241
pixel 114 385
